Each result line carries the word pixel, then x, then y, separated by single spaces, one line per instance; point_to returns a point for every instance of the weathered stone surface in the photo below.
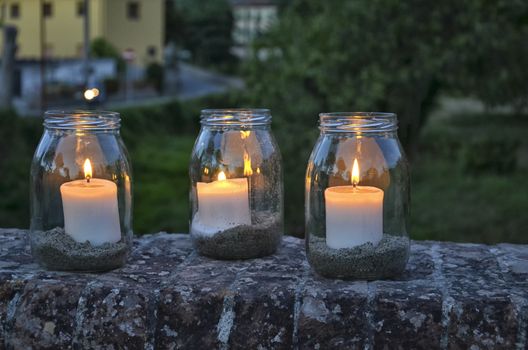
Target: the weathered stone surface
pixel 43 314
pixel 334 314
pixel 407 315
pixel 195 305
pixel 265 299
pixel 482 308
pixel 451 296
pixel 112 314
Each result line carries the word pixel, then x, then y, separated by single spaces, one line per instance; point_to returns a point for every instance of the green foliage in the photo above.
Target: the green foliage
pixel 161 183
pixel 18 140
pixel 155 75
pixel 489 54
pixel 478 144
pixel 165 119
pixel 464 187
pixel 382 55
pixel 102 48
pixel 174 23
pixel 159 139
pixel 447 204
pixel 205 28
pixel 495 155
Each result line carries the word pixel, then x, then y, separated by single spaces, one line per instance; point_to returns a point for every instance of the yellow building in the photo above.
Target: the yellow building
pixel 126 24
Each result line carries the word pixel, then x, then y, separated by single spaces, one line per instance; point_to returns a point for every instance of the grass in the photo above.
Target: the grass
pixel 452 202
pixel 161 183
pixel 450 205
pixel 18 139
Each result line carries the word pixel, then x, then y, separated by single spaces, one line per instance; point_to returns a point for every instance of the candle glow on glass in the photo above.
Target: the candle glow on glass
pixel 244 134
pixel 247 165
pixel 354 214
pixel 90 209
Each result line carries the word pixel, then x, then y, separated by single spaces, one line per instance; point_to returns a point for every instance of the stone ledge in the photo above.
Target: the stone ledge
pixel 455 296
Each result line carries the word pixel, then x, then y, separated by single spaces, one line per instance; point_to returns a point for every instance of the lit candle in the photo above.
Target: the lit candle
pixel 222 204
pixel 354 214
pixel 90 209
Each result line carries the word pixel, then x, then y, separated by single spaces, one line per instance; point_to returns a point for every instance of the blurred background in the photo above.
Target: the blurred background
pixel 454 71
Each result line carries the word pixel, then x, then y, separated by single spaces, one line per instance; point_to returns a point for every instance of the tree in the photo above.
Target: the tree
pixel 155 75
pixel 174 23
pixel 383 55
pixel 492 52
pixel 101 48
pixel 205 29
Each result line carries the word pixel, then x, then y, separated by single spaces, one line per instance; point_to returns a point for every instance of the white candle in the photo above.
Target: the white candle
pixel 222 204
pixel 354 214
pixel 90 209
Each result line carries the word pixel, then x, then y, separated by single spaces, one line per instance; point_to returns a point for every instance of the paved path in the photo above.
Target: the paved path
pixel 194 82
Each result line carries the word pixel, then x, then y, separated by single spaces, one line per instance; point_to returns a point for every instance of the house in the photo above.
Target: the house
pixel 251 19
pixel 54 29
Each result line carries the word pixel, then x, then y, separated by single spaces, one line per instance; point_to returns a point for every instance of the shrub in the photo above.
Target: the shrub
pixel 168 118
pixel 490 155
pixel 101 48
pixel 206 29
pixel 111 85
pixel 18 140
pixel 155 75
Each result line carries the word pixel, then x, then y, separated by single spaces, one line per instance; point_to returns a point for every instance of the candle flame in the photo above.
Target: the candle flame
pixel 247 165
pixel 87 169
pixel 221 176
pixel 355 173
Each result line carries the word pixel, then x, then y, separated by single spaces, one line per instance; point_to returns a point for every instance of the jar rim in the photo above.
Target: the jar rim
pixel 359 122
pixel 235 117
pixel 82 120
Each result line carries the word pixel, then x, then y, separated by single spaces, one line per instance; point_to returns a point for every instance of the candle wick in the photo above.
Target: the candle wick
pixel 88 179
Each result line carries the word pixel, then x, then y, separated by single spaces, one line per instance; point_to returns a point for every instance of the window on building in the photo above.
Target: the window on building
pixel 133 10
pixel 47 9
pixel 14 11
pixel 80 8
pixel 151 51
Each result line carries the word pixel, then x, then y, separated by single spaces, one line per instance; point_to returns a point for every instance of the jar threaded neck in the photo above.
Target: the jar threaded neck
pixel 82 120
pixel 235 117
pixel 358 122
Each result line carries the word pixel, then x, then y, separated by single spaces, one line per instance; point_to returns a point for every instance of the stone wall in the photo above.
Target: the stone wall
pixel 452 296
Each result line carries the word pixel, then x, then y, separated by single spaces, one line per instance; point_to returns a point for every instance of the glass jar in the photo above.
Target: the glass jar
pixel 357 198
pixel 236 185
pixel 81 193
